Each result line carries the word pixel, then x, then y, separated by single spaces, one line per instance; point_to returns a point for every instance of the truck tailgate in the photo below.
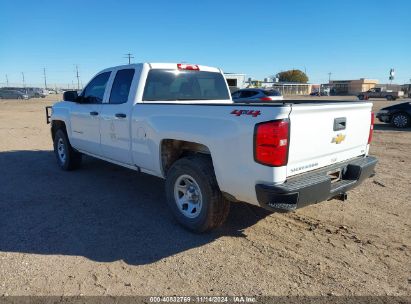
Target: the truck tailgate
pixel 324 134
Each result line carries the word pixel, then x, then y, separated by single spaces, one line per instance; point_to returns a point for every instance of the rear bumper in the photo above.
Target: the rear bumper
pixel 314 187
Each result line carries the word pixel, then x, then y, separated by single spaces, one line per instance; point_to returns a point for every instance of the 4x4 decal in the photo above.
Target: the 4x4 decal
pixel 253 113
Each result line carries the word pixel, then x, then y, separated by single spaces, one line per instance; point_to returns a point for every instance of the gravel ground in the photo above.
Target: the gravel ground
pixel 105 230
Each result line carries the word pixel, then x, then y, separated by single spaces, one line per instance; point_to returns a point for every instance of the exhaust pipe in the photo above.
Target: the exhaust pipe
pixel 342 197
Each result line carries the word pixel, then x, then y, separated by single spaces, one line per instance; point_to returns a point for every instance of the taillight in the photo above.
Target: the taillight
pixel 371 128
pixel 271 143
pixel 190 67
pixel 265 99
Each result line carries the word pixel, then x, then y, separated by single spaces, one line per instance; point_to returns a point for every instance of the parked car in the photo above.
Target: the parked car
pixel 178 122
pixel 316 93
pixel 12 94
pixel 380 93
pixel 35 92
pixel 256 95
pixel 398 115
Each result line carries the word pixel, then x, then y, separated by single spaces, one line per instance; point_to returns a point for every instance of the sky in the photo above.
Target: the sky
pixel 350 39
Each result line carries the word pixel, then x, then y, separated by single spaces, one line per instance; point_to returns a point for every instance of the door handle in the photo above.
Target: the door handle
pixel 340 123
pixel 93 113
pixel 121 115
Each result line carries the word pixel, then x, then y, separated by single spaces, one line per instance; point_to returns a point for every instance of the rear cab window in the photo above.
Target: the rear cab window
pixel 121 86
pixel 180 85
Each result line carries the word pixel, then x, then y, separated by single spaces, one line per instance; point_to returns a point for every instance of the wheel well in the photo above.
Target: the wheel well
pixel 57 125
pixel 172 150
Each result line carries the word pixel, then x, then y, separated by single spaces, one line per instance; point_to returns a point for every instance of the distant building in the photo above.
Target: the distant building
pixel 406 88
pixel 390 87
pixel 352 87
pixel 235 81
pixel 288 88
pixel 238 81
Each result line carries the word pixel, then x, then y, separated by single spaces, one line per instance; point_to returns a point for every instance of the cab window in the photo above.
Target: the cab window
pixel 94 92
pixel 121 86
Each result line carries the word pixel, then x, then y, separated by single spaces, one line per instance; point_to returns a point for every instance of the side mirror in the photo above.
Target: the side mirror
pixel 81 99
pixel 70 96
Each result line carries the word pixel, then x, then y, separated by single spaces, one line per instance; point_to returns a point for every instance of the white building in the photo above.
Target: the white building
pixel 235 81
pixel 238 81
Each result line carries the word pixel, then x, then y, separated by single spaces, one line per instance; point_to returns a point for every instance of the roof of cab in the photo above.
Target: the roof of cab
pixel 173 66
pixel 167 66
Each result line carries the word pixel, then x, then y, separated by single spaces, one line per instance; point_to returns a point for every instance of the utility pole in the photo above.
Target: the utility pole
pixel 45 79
pixel 7 80
pixel 329 77
pixel 24 82
pixel 129 56
pixel 78 78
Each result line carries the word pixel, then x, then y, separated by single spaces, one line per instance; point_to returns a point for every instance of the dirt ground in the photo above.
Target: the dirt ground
pixel 105 230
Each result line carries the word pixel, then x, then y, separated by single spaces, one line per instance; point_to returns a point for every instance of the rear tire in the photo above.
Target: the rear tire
pixel 361 97
pixel 389 97
pixel 193 194
pixel 400 120
pixel 67 158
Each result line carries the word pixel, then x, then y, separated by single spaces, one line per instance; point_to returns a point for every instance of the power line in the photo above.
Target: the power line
pixel 129 56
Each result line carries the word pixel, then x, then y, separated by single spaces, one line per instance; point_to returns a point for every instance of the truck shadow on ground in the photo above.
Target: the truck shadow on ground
pixel 101 211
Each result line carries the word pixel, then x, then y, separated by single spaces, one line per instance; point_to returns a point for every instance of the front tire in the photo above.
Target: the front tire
pixel 193 194
pixel 67 158
pixel 361 97
pixel 400 120
pixel 389 97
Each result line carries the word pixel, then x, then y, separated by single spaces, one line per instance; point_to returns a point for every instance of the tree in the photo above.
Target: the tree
pixel 293 76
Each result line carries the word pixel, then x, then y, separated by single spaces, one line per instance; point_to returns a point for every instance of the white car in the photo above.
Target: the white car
pixel 178 122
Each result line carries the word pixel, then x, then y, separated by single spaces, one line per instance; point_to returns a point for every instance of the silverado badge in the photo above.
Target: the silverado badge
pixel 338 139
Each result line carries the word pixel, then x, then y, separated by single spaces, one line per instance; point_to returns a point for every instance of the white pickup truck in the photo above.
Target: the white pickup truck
pixel 178 122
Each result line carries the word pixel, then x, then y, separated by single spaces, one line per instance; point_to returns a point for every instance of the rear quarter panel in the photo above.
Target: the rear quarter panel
pixel 228 137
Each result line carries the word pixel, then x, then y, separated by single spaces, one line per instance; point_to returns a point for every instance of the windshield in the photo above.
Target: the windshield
pixel 165 85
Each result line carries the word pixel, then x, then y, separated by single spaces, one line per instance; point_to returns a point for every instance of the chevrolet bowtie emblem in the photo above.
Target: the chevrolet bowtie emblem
pixel 338 139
